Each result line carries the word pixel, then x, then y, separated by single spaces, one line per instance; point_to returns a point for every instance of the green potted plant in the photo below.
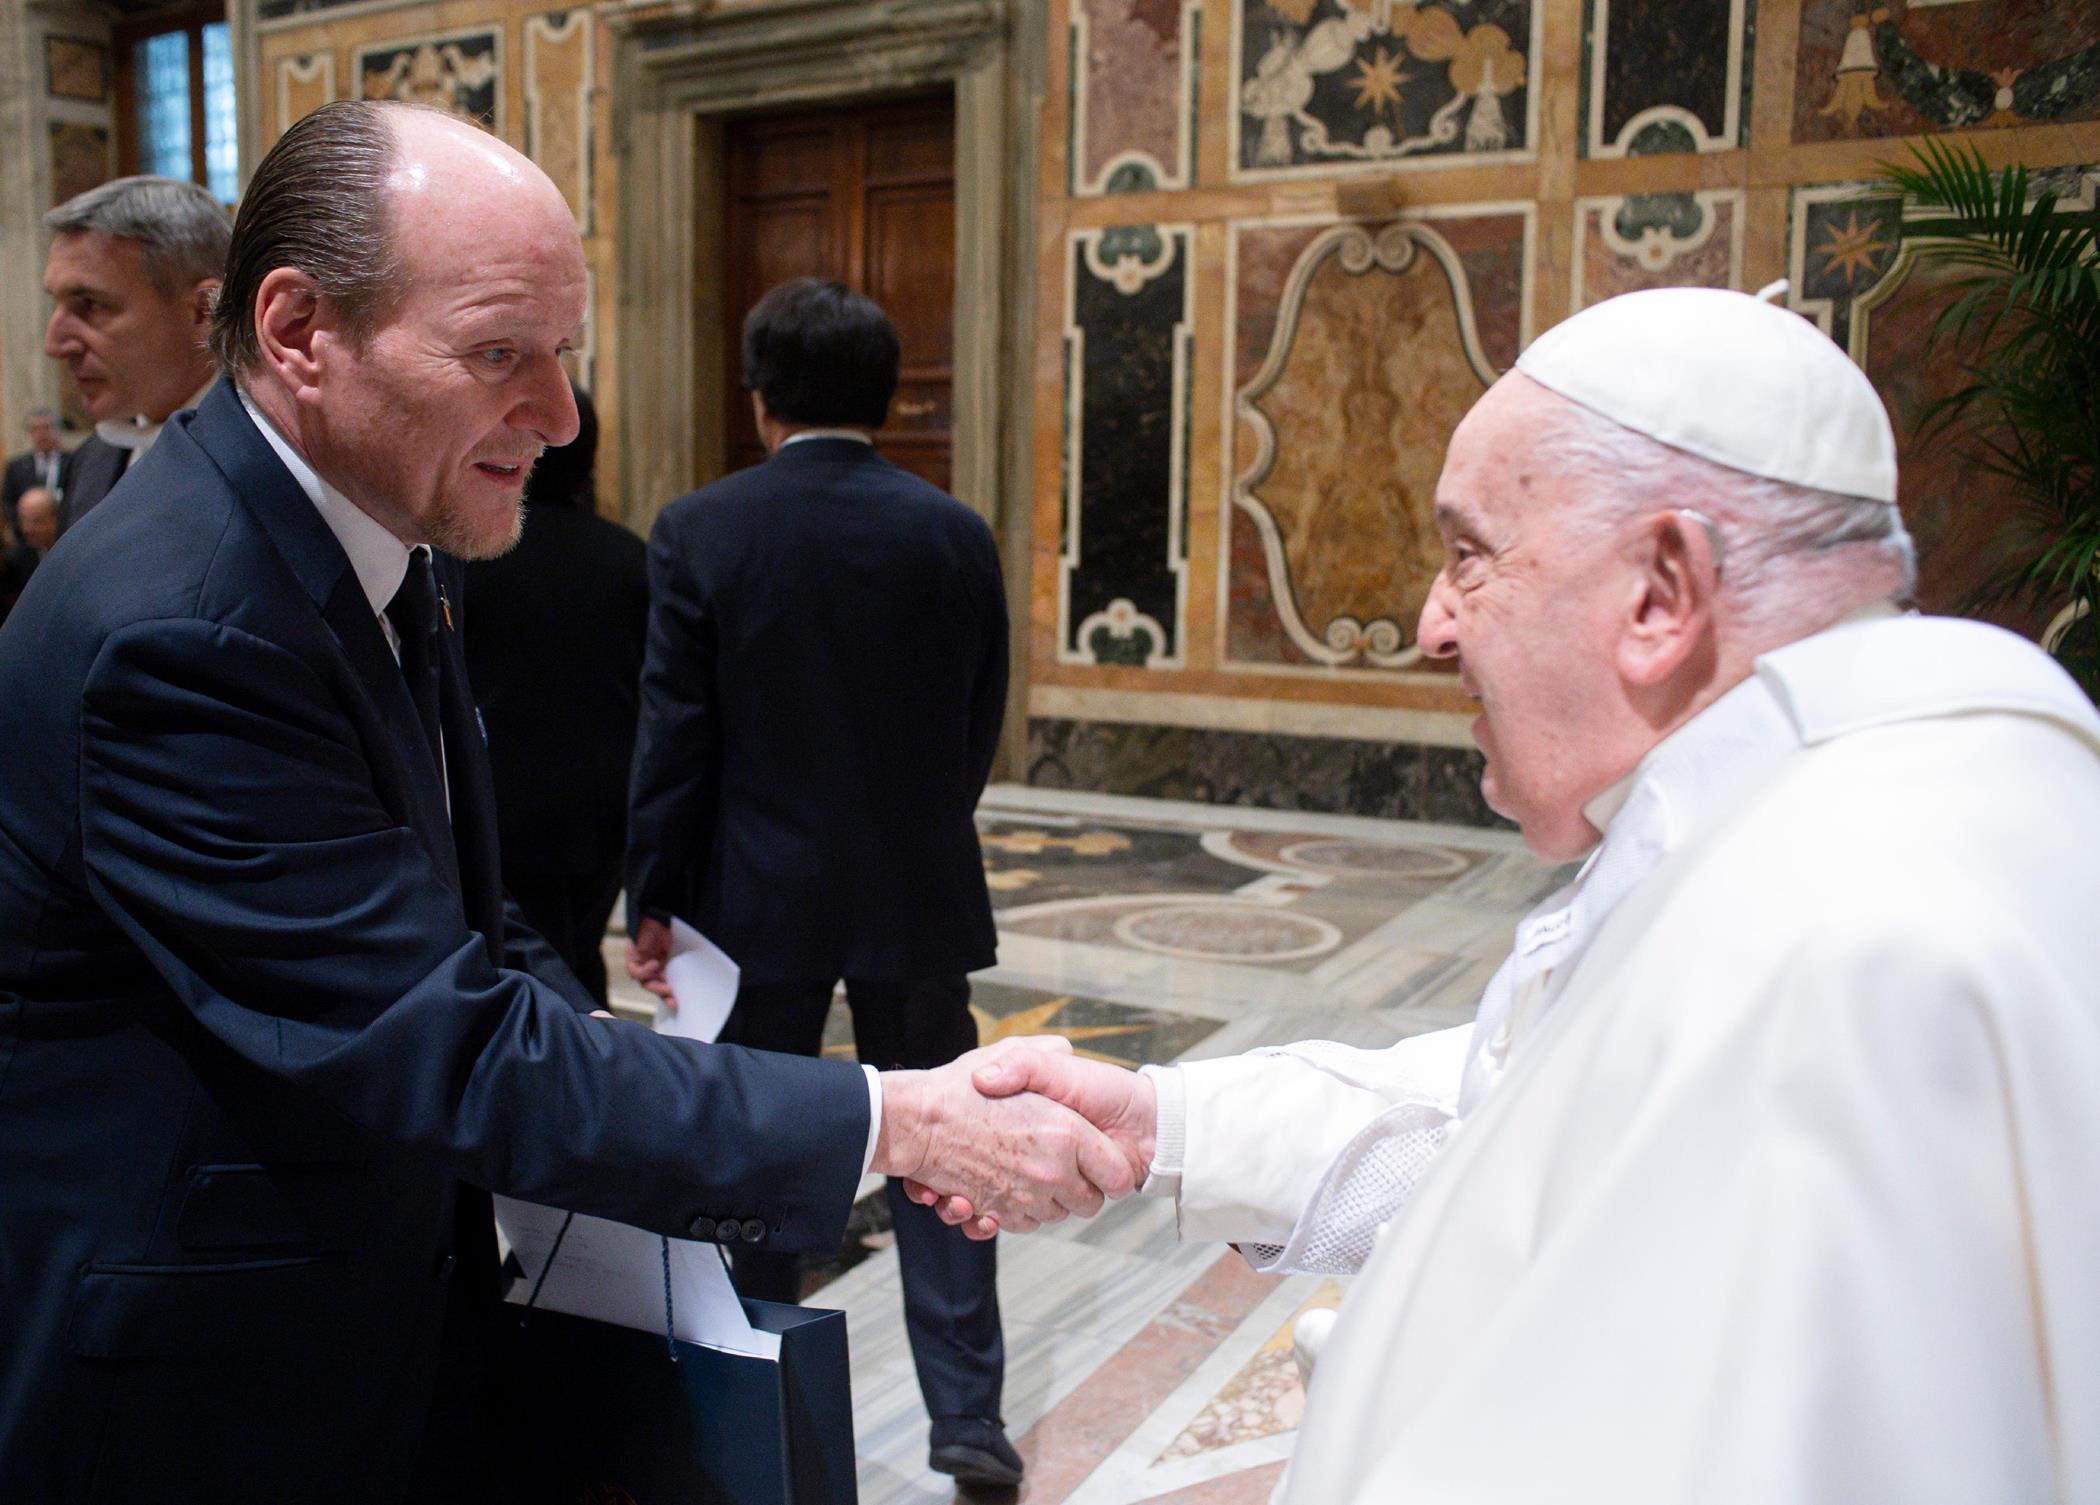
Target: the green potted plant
pixel 2025 322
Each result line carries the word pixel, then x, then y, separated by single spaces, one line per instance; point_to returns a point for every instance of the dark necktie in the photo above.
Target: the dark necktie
pixel 413 611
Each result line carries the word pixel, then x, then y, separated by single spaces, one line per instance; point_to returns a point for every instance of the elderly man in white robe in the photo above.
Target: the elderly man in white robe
pixel 1770 1170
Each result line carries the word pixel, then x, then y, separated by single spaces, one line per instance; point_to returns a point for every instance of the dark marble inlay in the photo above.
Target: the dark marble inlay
pixel 1332 775
pixel 1663 52
pixel 1130 291
pixel 1848 244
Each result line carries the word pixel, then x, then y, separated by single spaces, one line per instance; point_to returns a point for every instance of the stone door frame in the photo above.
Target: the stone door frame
pixel 679 71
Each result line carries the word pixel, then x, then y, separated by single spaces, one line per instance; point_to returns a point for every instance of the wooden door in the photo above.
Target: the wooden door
pixel 865 195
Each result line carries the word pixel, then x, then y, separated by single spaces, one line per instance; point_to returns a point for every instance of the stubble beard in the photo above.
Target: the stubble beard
pixel 454 530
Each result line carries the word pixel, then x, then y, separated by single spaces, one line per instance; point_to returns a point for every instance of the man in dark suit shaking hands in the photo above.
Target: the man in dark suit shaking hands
pixel 268 1031
pixel 820 707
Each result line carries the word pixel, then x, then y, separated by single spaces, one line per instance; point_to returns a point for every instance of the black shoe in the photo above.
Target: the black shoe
pixel 974 1450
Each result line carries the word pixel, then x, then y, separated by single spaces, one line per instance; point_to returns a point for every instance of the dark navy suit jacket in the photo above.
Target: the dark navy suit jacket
pixel 262 1027
pixel 822 698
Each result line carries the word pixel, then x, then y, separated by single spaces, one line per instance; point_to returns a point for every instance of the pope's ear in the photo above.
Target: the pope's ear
pixel 291 322
pixel 1671 622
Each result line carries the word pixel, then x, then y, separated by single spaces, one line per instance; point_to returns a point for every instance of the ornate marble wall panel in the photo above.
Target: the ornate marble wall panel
pixel 1123 568
pixel 558 76
pixel 1665 76
pixel 1134 68
pixel 1843 242
pixel 1357 348
pixel 304 83
pixel 1899 69
pixel 1632 241
pixel 459 71
pixel 1868 288
pixel 1333 86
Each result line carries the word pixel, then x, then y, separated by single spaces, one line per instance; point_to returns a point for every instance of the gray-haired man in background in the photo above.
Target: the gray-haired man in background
pixel 133 270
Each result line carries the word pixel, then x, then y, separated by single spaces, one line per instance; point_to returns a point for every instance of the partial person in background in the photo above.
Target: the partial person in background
pixel 826 678
pixel 554 635
pixel 18 557
pixel 44 463
pixel 133 270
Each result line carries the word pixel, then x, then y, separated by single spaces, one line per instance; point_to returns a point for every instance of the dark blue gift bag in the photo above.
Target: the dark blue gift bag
pixel 604 1415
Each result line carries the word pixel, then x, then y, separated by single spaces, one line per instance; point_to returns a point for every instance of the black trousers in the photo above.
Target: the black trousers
pixel 951 1295
pixel 570 911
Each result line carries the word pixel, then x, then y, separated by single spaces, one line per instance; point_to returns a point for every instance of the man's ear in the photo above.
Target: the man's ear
pixel 291 324
pixel 1672 614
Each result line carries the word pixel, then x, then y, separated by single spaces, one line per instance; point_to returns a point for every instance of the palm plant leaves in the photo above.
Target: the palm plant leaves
pixel 2024 319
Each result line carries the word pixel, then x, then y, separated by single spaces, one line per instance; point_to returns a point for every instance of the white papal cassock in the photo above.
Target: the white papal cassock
pixel 1774 1175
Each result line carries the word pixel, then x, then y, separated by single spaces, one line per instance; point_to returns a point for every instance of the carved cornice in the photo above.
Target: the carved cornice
pixel 706 55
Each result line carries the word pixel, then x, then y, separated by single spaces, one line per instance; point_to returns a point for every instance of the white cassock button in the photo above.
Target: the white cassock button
pixel 1378 1233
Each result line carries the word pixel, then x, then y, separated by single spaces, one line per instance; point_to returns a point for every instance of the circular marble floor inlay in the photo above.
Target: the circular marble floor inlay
pixel 1227 932
pixel 1382 859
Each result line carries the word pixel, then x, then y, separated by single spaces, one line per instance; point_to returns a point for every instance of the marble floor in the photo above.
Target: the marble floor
pixel 1140 1368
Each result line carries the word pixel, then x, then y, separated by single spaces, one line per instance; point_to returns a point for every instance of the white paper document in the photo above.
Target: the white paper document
pixel 703 979
pixel 613 1272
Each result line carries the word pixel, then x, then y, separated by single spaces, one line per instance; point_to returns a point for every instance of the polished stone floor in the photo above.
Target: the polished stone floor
pixel 1140 1368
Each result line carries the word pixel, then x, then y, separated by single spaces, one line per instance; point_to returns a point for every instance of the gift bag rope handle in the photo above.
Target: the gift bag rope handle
pixel 664 1244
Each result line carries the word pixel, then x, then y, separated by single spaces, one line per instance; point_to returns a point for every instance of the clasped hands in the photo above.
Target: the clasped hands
pixel 1016 1135
pixel 1011 1136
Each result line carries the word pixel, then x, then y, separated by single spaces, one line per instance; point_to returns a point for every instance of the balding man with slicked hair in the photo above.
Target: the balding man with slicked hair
pixel 270 1033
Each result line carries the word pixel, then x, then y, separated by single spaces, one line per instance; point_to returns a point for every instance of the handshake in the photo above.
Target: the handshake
pixel 1016 1135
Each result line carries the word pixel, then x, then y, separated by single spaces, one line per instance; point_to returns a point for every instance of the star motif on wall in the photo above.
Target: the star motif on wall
pixel 1851 248
pixel 1378 80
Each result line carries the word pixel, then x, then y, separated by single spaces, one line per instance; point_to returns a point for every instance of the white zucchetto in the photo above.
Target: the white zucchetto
pixel 1729 378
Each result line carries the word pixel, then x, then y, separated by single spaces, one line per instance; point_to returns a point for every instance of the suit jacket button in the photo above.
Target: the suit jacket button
pixel 754 1231
pixel 445 1265
pixel 726 1230
pixel 702 1227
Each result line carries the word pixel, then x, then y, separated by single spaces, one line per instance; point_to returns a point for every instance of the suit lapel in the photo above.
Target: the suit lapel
pixel 404 774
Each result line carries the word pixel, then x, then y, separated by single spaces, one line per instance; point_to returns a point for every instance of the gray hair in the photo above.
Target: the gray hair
pixel 1786 550
pixel 318 203
pixel 181 230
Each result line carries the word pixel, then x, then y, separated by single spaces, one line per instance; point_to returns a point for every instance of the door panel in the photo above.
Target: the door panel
pixel 867 196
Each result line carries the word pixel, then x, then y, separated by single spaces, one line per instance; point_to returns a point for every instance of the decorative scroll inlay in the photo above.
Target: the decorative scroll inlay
pixel 1336 85
pixel 1133 94
pixel 1633 241
pixel 1375 355
pixel 1123 575
pixel 558 86
pixel 1665 76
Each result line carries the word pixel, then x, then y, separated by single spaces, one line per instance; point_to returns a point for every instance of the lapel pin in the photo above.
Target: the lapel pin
pixel 445 606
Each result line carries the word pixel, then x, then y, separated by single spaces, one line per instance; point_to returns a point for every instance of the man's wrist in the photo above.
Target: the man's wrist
pixel 900 1137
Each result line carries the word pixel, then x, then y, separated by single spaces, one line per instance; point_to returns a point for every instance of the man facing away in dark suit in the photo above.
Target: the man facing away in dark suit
pixel 554 635
pixel 133 269
pixel 822 700
pixel 269 1033
pixel 43 465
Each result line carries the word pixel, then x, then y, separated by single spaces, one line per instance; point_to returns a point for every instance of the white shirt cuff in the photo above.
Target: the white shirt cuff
pixel 867 1157
pixel 1169 1132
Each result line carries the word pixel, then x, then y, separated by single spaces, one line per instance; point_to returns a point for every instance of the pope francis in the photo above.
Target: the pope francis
pixel 1770 1170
